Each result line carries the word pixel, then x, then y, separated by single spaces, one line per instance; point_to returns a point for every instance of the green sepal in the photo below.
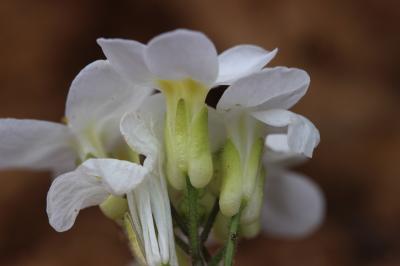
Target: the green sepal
pixel 176 140
pixel 231 171
pixel 181 139
pixel 200 158
pixel 253 208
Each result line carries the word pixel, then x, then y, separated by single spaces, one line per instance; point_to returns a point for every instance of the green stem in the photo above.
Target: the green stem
pixel 231 242
pixel 193 224
pixel 210 221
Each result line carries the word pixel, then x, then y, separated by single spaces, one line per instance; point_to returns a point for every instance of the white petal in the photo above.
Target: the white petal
pixel 153 111
pixel 279 153
pixel 144 129
pixel 97 99
pixel 242 60
pixel 277 142
pixel 127 57
pixel 118 176
pixel 278 87
pixel 140 137
pixel 35 144
pixel 68 194
pixel 294 205
pixel 183 54
pixel 302 135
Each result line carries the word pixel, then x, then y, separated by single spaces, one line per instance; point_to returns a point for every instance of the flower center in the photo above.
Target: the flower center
pixel 186 133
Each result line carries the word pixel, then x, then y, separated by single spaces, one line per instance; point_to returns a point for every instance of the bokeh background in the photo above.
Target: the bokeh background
pixel 349 47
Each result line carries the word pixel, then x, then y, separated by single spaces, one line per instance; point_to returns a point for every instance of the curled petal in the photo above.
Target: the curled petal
pixel 68 194
pixel 35 144
pixel 183 54
pixel 143 129
pixel 302 135
pixel 127 57
pixel 89 185
pixel 242 60
pixel 118 176
pixel 279 153
pixel 278 87
pixel 140 137
pixel 294 205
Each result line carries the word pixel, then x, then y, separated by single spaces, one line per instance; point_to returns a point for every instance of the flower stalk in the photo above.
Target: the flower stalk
pixel 232 239
pixel 195 250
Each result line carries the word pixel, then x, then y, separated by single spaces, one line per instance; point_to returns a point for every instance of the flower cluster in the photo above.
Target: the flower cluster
pixel 140 142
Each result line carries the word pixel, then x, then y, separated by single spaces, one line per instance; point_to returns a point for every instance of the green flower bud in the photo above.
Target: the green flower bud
pixel 114 207
pixel 200 158
pixel 231 171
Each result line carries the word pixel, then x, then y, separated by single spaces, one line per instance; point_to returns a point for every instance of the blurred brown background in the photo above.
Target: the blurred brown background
pixel 351 50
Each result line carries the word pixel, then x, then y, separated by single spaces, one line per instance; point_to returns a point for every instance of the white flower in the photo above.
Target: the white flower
pixel 254 107
pixel 294 206
pixel 183 54
pixel 184 65
pixel 97 99
pixel 149 204
pixel 89 185
pixel 143 185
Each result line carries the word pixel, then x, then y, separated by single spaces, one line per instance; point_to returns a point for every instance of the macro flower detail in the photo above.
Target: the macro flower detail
pixel 149 208
pixel 89 185
pixel 141 142
pixel 184 65
pixel 252 105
